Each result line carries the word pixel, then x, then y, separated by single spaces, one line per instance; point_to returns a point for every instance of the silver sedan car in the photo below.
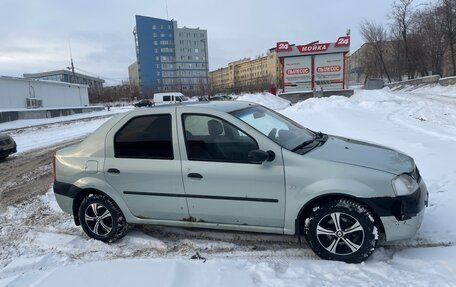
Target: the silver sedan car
pixel 239 166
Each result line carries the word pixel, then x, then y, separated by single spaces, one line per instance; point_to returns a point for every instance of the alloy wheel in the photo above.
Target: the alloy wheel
pixel 340 233
pixel 98 219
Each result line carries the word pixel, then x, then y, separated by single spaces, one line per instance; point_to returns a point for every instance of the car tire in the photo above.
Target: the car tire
pixel 102 219
pixel 342 230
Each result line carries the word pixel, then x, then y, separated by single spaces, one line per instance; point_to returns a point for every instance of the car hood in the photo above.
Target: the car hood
pixel 364 154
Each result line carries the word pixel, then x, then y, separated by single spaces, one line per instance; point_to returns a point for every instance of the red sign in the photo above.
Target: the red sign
pixel 315 48
pixel 342 42
pixel 283 46
pixel 297 71
pixel 328 69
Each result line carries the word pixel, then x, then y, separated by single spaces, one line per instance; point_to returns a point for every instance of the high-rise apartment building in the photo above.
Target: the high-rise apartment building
pixel 170 58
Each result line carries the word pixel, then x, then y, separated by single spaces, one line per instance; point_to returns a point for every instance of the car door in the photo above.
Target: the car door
pixel 143 165
pixel 221 185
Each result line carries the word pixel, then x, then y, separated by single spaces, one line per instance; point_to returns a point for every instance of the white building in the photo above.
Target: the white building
pixel 19 93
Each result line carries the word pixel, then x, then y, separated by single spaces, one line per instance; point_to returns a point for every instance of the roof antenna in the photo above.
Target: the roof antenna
pixel 167 16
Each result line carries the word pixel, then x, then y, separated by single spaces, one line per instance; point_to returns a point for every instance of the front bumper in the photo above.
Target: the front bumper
pixel 405 229
pixel 401 216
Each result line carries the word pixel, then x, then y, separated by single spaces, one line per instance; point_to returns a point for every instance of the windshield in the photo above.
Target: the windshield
pixel 278 128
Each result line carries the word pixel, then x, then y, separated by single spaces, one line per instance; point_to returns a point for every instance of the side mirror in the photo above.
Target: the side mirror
pixel 260 156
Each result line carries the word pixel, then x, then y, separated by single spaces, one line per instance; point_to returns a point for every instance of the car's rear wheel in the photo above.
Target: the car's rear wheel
pixel 342 230
pixel 102 219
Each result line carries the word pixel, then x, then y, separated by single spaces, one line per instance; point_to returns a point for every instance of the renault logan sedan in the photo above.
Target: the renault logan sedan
pixel 239 166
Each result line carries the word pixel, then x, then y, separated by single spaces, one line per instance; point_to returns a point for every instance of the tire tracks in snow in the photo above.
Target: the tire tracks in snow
pixel 418 113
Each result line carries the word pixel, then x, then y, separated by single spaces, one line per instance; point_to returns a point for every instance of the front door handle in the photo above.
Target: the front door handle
pixel 195 175
pixel 113 171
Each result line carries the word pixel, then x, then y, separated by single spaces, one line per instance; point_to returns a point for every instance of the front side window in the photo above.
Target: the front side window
pixel 278 128
pixel 145 137
pixel 209 138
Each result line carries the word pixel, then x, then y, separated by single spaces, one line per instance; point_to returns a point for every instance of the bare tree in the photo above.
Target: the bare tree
pixel 377 36
pixel 429 34
pixel 401 14
pixel 448 10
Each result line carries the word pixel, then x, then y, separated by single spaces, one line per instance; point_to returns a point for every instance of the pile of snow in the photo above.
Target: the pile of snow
pixel 449 91
pixel 266 99
pixel 428 89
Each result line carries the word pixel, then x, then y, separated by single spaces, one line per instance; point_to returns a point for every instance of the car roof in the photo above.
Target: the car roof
pixel 224 106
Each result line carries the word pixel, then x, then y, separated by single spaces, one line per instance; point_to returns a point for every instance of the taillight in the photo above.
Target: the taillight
pixel 53 166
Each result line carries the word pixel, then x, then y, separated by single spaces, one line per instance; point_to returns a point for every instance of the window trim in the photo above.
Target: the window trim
pixel 145 157
pixel 214 160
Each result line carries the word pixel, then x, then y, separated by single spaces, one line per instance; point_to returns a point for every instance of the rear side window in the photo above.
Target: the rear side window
pixel 166 98
pixel 145 137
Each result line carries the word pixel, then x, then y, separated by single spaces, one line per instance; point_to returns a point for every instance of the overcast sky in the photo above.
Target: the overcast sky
pixel 35 34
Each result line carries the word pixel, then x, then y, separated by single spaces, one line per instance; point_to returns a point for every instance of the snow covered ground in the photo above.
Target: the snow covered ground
pixel 40 246
pixel 38 133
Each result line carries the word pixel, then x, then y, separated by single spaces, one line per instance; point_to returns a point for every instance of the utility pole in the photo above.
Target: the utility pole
pixel 72 66
pixel 72 71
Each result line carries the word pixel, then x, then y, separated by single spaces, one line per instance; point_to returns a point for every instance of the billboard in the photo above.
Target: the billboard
pixel 329 71
pixel 297 73
pixel 305 67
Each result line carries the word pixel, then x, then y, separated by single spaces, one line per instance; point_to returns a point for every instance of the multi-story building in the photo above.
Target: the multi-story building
pixel 170 58
pixel 365 64
pixel 247 74
pixel 222 79
pixel 356 64
pixel 68 77
pixel 133 75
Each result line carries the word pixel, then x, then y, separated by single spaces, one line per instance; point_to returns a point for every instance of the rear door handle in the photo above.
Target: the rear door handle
pixel 195 175
pixel 113 171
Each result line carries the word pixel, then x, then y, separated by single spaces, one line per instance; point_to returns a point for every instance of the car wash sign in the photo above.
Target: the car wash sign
pixel 316 65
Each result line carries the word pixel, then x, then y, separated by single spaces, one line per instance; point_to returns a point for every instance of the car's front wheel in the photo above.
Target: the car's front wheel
pixel 102 219
pixel 342 230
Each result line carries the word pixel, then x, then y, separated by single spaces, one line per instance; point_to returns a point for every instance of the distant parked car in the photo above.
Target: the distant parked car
pixel 144 103
pixel 221 98
pixel 7 146
pixel 239 166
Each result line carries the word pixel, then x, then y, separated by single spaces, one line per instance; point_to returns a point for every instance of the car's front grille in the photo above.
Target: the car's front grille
pixel 416 174
pixel 5 142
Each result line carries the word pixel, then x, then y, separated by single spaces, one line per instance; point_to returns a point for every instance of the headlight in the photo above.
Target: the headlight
pixel 404 184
